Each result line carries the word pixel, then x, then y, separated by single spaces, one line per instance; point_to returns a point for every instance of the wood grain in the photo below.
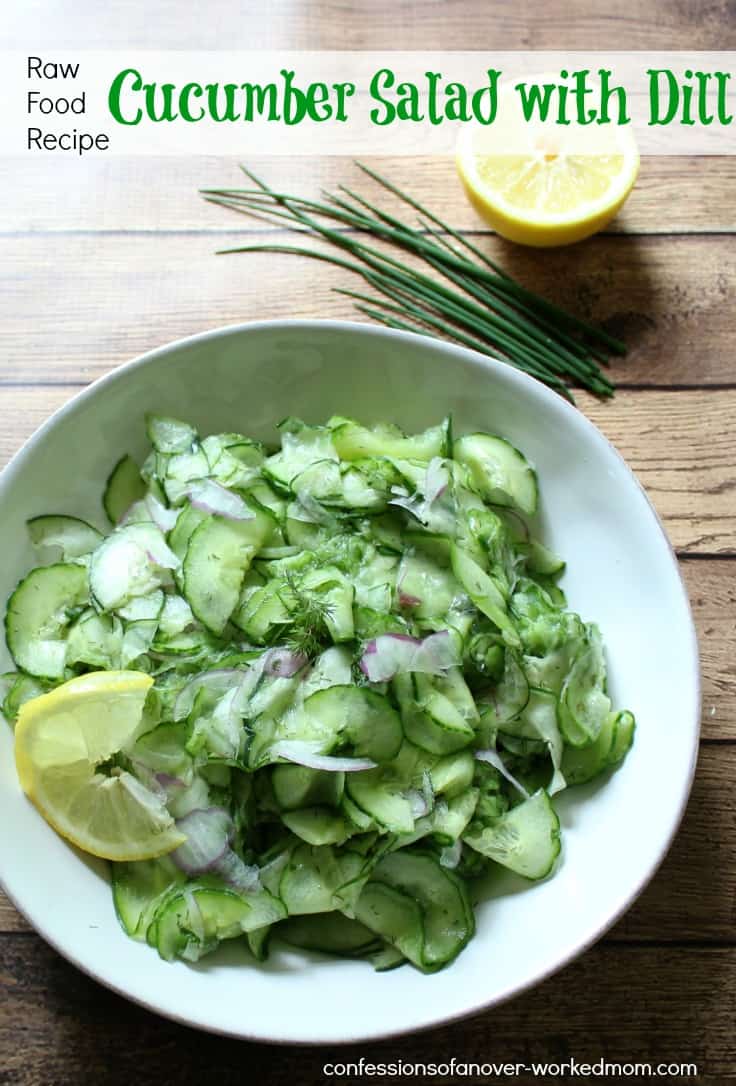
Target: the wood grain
pixel 161 194
pixel 617 1003
pixel 114 296
pixel 382 24
pixel 685 465
pixel 693 896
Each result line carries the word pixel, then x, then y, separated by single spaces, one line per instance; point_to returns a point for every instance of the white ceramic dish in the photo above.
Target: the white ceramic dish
pixel 621 572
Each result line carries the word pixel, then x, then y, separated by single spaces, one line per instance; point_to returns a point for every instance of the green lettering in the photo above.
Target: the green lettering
pixel 383 79
pixel 535 98
pixel 116 90
pixel 655 116
pixel 187 90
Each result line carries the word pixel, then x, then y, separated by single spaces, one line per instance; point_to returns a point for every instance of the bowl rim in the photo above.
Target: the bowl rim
pixel 528 383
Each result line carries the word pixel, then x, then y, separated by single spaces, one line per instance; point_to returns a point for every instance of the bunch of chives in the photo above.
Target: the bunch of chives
pixel 469 298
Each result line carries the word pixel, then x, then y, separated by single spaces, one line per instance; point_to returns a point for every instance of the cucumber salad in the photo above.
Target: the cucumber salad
pixel 367 686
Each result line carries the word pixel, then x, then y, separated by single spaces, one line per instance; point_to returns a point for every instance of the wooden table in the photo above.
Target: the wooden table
pixel 106 260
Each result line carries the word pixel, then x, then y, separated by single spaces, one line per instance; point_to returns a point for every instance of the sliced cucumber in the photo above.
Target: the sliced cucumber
pixel 124 486
pixel 362 717
pixel 484 592
pixel 500 473
pixel 170 435
pixel 525 839
pixel 317 825
pixel 623 736
pixel 330 933
pixel 377 793
pixel 217 559
pixel 395 917
pixel 582 764
pixel 138 888
pixel 354 442
pixel 192 923
pixel 75 537
pixel 583 704
pixel 442 898
pixel 433 722
pixel 453 774
pixel 38 616
pixel 296 786
pixel 309 880
pixel 133 561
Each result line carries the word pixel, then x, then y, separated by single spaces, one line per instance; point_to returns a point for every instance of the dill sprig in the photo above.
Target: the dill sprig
pixel 306 630
pixel 464 295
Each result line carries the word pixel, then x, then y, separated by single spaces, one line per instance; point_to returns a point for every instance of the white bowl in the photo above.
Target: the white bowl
pixel 621 573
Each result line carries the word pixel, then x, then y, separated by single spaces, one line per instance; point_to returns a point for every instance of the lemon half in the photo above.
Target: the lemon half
pixel 544 184
pixel 61 740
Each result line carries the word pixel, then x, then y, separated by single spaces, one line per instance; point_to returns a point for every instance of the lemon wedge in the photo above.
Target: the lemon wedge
pixel 544 184
pixel 63 739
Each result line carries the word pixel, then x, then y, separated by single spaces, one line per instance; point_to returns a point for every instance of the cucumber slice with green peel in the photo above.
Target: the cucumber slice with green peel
pixel 484 592
pixel 170 435
pixel 75 537
pixel 583 704
pixel 387 958
pixel 393 916
pixel 424 588
pixel 134 561
pixel 20 689
pixel 329 933
pixel 377 793
pixel 137 891
pixel 124 486
pixel 623 736
pixel 356 816
pixel 526 839
pixel 317 825
pixel 188 520
pixel 39 613
pixel 95 640
pixel 509 697
pixel 193 922
pixel 310 880
pixel 500 473
pixel 434 724
pixel 217 559
pixel 539 559
pixel 442 898
pixel 450 819
pixel 582 764
pixel 453 774
pixel 258 941
pixel 363 718
pixel 355 442
pixel 297 786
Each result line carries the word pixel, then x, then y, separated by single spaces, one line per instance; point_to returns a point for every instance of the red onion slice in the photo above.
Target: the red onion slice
pixel 245 878
pixel 211 497
pixel 209 832
pixel 307 754
pixel 389 654
pixel 284 663
pixel 163 518
pixel 494 758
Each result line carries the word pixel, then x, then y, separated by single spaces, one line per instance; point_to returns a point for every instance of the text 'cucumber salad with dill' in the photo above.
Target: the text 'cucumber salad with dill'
pixel 313 694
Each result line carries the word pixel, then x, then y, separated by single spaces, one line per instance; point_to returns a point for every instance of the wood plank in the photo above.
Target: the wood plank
pixel 692 895
pixel 619 1004
pixel 686 468
pixel 113 297
pixel 157 194
pixel 383 24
